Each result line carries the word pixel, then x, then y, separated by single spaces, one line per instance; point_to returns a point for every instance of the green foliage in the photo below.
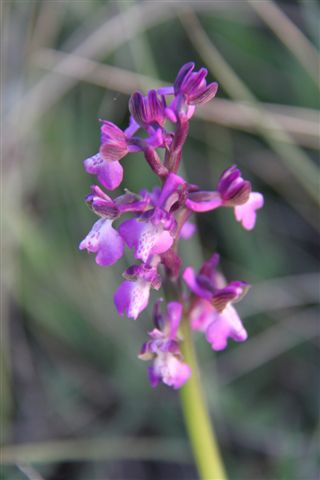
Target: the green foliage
pixel 69 364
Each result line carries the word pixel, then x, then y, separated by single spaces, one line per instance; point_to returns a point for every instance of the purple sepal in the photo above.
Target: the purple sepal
pixel 147 110
pixel 246 213
pixel 193 85
pixel 105 241
pixel 205 95
pixel 207 281
pixel 203 201
pixel 192 280
pixel 183 74
pixel 109 174
pixel 113 142
pixel 232 188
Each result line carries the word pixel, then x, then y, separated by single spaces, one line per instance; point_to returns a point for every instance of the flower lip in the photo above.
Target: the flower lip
pixel 105 241
pixel 109 174
pixel 224 325
pixel 246 213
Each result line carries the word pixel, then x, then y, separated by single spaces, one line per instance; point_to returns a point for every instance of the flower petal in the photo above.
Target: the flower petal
pixel 171 370
pixel 132 297
pixel 246 213
pixel 204 201
pixel 226 324
pixel 104 240
pixel 109 174
pixel 205 95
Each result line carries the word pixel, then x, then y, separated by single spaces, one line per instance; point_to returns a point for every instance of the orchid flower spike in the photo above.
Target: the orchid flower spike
pixel 151 223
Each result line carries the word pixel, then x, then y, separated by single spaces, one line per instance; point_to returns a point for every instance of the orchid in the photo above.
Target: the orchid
pixel 158 219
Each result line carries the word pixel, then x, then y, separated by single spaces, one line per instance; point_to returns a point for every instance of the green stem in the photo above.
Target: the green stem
pixel 197 419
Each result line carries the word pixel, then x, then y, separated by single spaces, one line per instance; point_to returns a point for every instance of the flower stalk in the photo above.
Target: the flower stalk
pixel 196 415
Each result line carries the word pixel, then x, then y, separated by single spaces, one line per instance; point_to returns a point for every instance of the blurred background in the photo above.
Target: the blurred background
pixel 75 400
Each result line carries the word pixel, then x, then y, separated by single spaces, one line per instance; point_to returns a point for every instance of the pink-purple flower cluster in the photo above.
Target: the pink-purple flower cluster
pixel 158 219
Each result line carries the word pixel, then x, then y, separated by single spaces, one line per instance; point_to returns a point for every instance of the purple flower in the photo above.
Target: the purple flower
pixel 164 350
pixel 160 218
pixel 114 146
pixel 192 86
pixel 211 309
pixel 232 191
pixel 132 296
pixel 103 239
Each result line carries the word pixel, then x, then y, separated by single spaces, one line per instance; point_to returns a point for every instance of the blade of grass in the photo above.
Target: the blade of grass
pixel 91 449
pixel 290 35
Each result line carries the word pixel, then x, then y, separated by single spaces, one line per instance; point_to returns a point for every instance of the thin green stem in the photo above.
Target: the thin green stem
pixel 201 433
